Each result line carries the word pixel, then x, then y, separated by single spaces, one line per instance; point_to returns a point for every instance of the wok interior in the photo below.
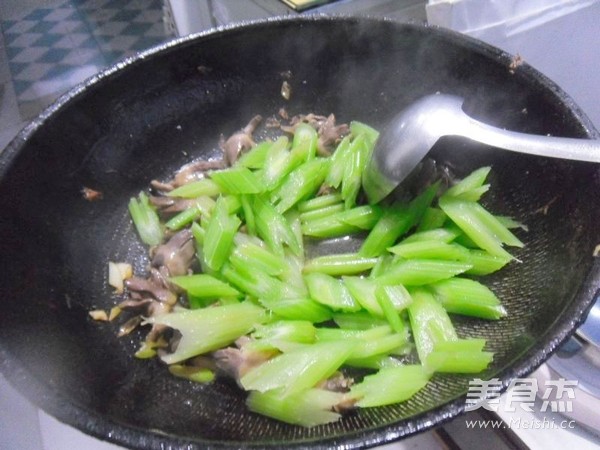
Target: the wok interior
pixel 147 120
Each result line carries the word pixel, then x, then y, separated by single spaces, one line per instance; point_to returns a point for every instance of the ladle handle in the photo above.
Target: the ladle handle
pixel 550 146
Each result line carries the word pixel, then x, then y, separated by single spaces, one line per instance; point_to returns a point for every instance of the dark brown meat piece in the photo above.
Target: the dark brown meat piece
pixel 240 141
pixel 158 292
pixel 236 362
pixel 329 135
pixel 176 255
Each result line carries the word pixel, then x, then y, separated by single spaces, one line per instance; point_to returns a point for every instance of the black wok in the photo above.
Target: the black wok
pixel 146 117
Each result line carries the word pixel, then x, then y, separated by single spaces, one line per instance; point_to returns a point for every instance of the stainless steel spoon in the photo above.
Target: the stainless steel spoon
pixel 411 134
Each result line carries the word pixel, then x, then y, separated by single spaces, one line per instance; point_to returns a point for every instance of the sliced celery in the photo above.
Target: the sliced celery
pixel 146 220
pixel 368 343
pixel 415 272
pixel 430 250
pixel 353 169
pixel 220 232
pixel 237 180
pixel 389 310
pixel 459 361
pixel 446 235
pixel 342 223
pixel 338 163
pixel 248 213
pixel 374 362
pixel 383 263
pixel 330 292
pixel 253 282
pixel 468 297
pixel 297 309
pixel 429 322
pixel 255 157
pixel 275 334
pixel 389 385
pixel 321 213
pixel 204 286
pixel 339 264
pixel 208 329
pixel 360 320
pixel 462 213
pixel 203 187
pixel 254 255
pixel 473 181
pixel 301 183
pixel 364 292
pixel 307 408
pixel 397 295
pixel 272 227
pixel 305 141
pixel 371 134
pixel 484 263
pixel 298 369
pixel 276 163
pixel 202 206
pixel 393 223
pixel 195 374
pixel 433 218
pixel 320 202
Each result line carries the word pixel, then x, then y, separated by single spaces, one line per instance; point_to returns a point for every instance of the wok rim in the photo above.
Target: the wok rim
pixel 99 426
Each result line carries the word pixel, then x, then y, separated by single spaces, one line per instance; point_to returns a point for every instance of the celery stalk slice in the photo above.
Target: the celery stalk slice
pixel 321 213
pixel 277 163
pixel 255 157
pixel 298 369
pixel 389 385
pixel 433 218
pixel 430 250
pixel 237 180
pixel 415 272
pixel 307 408
pixel 468 297
pixel 445 235
pixel 272 227
pixel 370 133
pixel 339 264
pixel 343 223
pixel 484 263
pixel 193 189
pixel 459 361
pixel 364 292
pixel 429 322
pixel 262 259
pixel 297 309
pixel 208 329
pixel 220 232
pixel 360 320
pixel 330 291
pixel 353 169
pixel 301 183
pixel 390 312
pixel 320 202
pixel 146 220
pixel 338 163
pixel 474 180
pixel 305 141
pixel 204 286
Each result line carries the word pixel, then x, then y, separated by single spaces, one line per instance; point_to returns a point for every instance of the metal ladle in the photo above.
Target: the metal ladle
pixel 410 135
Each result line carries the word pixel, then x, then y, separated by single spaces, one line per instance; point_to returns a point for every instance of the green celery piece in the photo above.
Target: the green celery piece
pixel 220 232
pixel 193 189
pixel 254 255
pixel 255 157
pixel 343 223
pixel 208 329
pixel 302 183
pixel 364 292
pixel 429 322
pixel 339 264
pixel 374 362
pixel 298 369
pixel 495 226
pixel 474 180
pixel 252 282
pixel 511 223
pixel 371 134
pixel 202 206
pixel 360 320
pixel 307 408
pixel 353 170
pixel 322 213
pixel 389 385
pixel 292 330
pixel 198 232
pixel 273 228
pixel 474 195
pixel 390 312
pixel 433 218
pixel 204 286
pixel 438 234
pixel 459 361
pixel 195 374
pixel 293 219
pixel 319 202
pixel 292 275
pixel 330 291
pixel 468 297
pixel 277 163
pixel 462 214
pixel 430 250
pixel 383 263
pixel 484 263
pixel 397 295
pixel 415 272
pixel 297 309
pixel 338 163
pixel 305 141
pixel 248 212
pixel 233 203
pixel 237 180
pixel 395 222
pixel 146 220
pixel 368 343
